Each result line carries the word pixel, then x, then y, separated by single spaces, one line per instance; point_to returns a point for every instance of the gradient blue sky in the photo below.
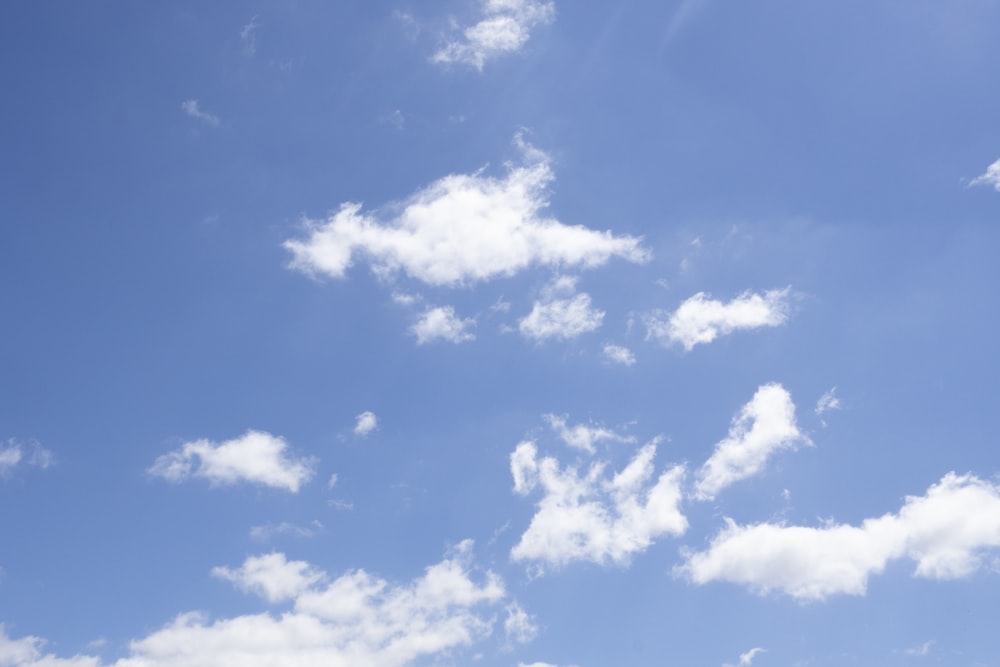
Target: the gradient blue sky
pixel 537 241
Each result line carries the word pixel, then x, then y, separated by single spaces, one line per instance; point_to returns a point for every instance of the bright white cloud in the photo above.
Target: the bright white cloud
pixel 442 324
pixel 763 427
pixel 366 423
pixel 990 177
pixel 355 619
pixel 593 517
pixel 561 318
pixel 947 532
pixel 15 453
pixel 582 436
pixel 619 354
pixel 191 108
pixel 701 319
pixel 461 229
pixel 272 576
pixel 518 626
pixel 255 457
pixel 505 28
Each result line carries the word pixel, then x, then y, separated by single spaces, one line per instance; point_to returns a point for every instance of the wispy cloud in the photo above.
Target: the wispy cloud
pixel 15 453
pixel 248 35
pixel 990 177
pixel 255 457
pixel 462 229
pixel 505 28
pixel 442 323
pixel 702 319
pixel 269 531
pixel 583 436
pixel 191 108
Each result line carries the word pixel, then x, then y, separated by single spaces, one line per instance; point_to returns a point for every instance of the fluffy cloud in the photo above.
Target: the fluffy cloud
pixel 462 229
pixel 701 319
pixel 256 457
pixel 442 324
pixel 990 177
pixel 15 453
pixel 946 531
pixel 272 576
pixel 367 422
pixel 505 28
pixel 355 619
pixel 593 517
pixel 619 354
pixel 582 436
pixel 762 427
pixel 191 108
pixel 561 318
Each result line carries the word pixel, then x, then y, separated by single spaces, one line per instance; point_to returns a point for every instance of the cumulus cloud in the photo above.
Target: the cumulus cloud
pixel 461 229
pixel 763 427
pixel 619 354
pixel 518 626
pixel 14 454
pixel 355 619
pixel 272 576
pixel 561 318
pixel 366 423
pixel 946 532
pixel 505 28
pixel 191 108
pixel 594 517
pixel 582 436
pixel 256 457
pixel 701 319
pixel 990 177
pixel 442 324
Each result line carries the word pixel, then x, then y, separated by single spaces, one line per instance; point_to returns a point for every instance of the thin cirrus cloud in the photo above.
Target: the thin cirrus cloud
pixel 990 177
pixel 504 29
pixel 194 110
pixel 595 517
pixel 702 319
pixel 355 619
pixel 442 323
pixel 763 427
pixel 462 229
pixel 256 457
pixel 947 531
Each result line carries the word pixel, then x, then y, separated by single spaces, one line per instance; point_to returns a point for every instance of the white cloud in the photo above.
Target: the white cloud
pixel 367 422
pixel 701 319
pixel 15 453
pixel 505 28
pixel 248 35
pixel 461 229
pixel 191 108
pixel 272 576
pixel 355 619
pixel 593 518
pixel 946 531
pixel 920 651
pixel 269 530
pixel 762 427
pixel 990 177
pixel 519 627
pixel 619 354
pixel 581 436
pixel 442 324
pixel 256 457
pixel 827 402
pixel 561 318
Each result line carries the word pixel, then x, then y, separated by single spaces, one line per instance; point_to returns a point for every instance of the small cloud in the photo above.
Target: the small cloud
pixel 272 577
pixel 405 299
pixel 396 119
pixel 332 482
pixel 519 627
pixel 15 454
pixel 990 177
pixel 619 354
pixel 746 659
pixel 248 35
pixel 582 436
pixel 442 324
pixel 366 423
pixel 191 108
pixel 560 313
pixel 920 651
pixel 826 403
pixel 268 531
pixel 504 29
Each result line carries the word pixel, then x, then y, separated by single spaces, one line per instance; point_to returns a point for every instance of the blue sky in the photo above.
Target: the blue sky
pixel 511 333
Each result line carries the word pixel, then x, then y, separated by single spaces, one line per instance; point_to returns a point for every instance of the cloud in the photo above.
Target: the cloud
pixel 442 324
pixel 191 108
pixel 702 320
pixel 827 402
pixel 15 453
pixel 504 29
pixel 459 230
pixel 594 518
pixel 367 422
pixel 255 457
pixel 946 531
pixel 581 436
pixel 272 576
pixel 557 317
pixel 763 427
pixel 268 531
pixel 518 626
pixel 27 652
pixel 920 651
pixel 248 35
pixel 619 354
pixel 990 177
